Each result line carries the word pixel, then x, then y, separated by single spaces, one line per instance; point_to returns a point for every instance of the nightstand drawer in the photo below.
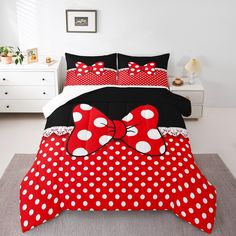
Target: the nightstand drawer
pixel 196 97
pixel 196 112
pixel 26 78
pixel 8 106
pixel 27 92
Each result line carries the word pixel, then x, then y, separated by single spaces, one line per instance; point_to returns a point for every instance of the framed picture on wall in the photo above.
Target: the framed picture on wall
pixel 81 21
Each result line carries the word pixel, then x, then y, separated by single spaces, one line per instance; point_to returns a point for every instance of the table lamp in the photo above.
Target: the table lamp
pixel 193 67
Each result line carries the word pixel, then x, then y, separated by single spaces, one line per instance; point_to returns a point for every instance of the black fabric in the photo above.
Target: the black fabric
pixel 109 60
pixel 161 60
pixel 116 103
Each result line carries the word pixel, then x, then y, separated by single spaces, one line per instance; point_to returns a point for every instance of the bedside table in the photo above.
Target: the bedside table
pixel 27 88
pixel 193 92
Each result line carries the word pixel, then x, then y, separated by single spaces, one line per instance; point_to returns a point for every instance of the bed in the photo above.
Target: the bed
pixel 116 145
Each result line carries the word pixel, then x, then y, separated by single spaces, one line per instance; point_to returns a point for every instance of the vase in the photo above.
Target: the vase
pixel 6 60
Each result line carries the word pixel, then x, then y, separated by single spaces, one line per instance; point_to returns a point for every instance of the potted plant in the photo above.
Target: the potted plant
pixel 18 56
pixel 8 52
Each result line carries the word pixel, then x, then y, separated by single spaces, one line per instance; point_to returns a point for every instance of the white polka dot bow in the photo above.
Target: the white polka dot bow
pixel 82 69
pixel 148 68
pixel 93 130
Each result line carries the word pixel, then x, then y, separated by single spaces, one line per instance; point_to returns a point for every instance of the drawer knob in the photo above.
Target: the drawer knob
pixel 44 92
pixel 4 79
pixel 43 79
pixel 7 106
pixel 6 93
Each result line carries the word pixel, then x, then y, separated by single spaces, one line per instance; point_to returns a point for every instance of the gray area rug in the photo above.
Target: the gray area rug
pixel 161 223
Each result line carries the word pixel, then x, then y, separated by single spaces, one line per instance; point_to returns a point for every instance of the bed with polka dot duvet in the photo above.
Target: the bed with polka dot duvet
pixel 117 149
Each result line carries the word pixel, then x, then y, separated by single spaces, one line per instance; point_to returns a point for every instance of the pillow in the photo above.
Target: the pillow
pixel 90 70
pixel 143 70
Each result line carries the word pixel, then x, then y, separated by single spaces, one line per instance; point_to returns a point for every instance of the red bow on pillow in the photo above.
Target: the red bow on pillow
pixel 82 69
pixel 148 68
pixel 93 130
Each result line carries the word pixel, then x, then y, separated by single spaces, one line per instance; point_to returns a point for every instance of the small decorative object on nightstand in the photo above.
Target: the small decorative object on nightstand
pixel 48 59
pixel 195 93
pixel 193 67
pixel 28 88
pixel 178 82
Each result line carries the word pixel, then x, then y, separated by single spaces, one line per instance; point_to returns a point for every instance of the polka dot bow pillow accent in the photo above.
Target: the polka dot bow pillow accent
pixel 90 70
pixel 143 71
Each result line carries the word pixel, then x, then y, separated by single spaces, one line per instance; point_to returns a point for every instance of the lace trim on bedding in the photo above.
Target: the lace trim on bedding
pixel 58 130
pixel 61 130
pixel 174 131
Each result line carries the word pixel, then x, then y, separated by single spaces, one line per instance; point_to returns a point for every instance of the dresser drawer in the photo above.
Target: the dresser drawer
pixel 27 92
pixel 196 97
pixel 8 106
pixel 196 112
pixel 27 78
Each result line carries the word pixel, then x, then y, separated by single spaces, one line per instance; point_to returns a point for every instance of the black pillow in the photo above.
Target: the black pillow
pixel 109 60
pixel 161 60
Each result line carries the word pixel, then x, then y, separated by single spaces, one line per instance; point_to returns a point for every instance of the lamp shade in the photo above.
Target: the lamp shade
pixel 193 66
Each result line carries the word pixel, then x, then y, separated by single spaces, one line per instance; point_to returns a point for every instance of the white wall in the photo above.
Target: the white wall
pixel 8 23
pixel 204 29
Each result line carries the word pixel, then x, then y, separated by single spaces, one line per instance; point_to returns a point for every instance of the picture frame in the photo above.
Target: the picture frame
pixel 81 21
pixel 32 55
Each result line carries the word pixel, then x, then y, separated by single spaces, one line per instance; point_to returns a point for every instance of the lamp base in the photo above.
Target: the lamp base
pixel 191 79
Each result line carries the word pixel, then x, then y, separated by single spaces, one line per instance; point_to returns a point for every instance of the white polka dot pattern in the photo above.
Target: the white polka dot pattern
pixel 159 78
pixel 94 126
pixel 148 68
pixel 82 69
pixel 107 78
pixel 116 178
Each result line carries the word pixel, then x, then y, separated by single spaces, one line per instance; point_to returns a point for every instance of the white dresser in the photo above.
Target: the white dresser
pixel 27 88
pixel 193 92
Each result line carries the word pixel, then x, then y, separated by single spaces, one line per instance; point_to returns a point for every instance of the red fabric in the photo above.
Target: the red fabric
pixel 93 130
pixel 159 78
pixel 116 178
pixel 135 68
pixel 108 77
pixel 82 69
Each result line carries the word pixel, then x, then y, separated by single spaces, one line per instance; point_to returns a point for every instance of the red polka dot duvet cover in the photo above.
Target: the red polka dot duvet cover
pixel 117 149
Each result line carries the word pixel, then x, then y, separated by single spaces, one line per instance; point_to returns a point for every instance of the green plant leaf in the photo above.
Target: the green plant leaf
pixel 16 61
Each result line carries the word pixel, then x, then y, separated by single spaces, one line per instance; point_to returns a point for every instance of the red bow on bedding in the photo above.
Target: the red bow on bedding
pixel 93 130
pixel 82 69
pixel 148 68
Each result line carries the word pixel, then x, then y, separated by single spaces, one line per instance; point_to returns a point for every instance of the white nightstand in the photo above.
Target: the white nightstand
pixel 194 92
pixel 27 88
